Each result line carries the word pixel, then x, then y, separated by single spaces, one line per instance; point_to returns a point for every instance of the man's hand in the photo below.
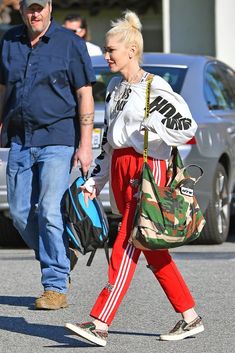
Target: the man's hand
pixel 84 155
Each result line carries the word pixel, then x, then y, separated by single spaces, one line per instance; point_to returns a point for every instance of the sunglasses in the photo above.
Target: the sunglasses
pixel 78 30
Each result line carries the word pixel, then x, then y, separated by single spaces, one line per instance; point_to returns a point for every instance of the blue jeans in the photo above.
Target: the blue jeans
pixel 37 178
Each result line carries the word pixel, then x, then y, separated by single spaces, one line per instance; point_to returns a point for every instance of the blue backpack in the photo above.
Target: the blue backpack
pixel 87 227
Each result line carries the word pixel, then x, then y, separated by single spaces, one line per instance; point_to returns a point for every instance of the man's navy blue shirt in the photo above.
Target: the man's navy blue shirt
pixel 41 105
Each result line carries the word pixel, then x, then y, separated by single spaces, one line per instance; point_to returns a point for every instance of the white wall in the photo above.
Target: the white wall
pixel 225 31
pixel 166 19
pixel 189 26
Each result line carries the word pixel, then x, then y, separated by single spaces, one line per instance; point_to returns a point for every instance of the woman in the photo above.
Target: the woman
pixel 122 158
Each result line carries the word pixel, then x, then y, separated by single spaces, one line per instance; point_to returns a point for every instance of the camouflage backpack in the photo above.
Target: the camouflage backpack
pixel 169 216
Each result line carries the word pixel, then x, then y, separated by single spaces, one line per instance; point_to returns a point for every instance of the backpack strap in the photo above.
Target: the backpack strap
pixel 91 257
pixel 106 250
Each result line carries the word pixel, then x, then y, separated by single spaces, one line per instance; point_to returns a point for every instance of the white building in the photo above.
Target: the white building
pixel 200 27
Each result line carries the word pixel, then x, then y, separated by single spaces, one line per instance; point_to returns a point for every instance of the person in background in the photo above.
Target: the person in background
pixel 121 161
pixel 46 101
pixel 7 7
pixel 78 25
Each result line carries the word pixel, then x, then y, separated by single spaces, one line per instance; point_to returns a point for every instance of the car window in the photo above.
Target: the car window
pixel 229 75
pixel 103 76
pixel 219 94
pixel 173 75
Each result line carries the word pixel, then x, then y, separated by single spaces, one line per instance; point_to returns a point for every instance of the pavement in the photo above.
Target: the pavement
pixel 143 315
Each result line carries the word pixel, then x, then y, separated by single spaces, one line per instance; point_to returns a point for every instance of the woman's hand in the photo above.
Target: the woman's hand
pixel 87 194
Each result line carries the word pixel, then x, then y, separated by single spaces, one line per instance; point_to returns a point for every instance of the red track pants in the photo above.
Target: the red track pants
pixel 126 169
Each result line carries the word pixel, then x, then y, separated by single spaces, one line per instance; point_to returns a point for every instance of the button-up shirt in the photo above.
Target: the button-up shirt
pixel 41 81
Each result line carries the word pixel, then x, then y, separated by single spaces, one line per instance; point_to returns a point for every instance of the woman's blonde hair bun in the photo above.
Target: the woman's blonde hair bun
pixel 133 20
pixel 129 29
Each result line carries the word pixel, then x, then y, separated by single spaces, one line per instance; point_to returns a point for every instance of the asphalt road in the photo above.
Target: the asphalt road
pixel 144 314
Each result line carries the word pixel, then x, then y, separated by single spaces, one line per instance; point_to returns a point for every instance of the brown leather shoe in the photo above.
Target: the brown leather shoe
pixel 51 300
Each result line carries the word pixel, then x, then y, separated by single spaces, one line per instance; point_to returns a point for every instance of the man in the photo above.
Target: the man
pixel 78 25
pixel 45 82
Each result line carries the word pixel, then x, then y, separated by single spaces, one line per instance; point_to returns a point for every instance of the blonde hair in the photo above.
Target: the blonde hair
pixel 129 29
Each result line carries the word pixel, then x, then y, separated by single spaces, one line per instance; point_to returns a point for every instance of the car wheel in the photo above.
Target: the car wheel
pixel 217 214
pixel 9 236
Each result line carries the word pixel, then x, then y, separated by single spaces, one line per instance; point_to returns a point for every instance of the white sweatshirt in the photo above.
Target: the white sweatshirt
pixel 170 123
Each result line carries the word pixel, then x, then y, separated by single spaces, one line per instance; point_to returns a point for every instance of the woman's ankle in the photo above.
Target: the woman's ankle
pixel 100 325
pixel 189 315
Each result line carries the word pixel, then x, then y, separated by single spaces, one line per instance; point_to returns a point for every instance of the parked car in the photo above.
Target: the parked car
pixel 208 86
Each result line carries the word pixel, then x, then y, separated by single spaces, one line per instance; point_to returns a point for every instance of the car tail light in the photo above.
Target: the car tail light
pixel 192 141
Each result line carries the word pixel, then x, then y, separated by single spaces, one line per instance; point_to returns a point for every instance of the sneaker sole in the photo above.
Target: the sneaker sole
pixel 181 336
pixel 41 307
pixel 84 334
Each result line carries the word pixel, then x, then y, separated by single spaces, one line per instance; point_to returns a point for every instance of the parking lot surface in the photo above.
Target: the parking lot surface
pixel 144 314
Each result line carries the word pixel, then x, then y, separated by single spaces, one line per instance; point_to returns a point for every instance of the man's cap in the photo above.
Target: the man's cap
pixel 28 3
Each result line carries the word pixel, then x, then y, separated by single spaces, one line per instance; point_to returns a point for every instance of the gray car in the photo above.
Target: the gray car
pixel 208 86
